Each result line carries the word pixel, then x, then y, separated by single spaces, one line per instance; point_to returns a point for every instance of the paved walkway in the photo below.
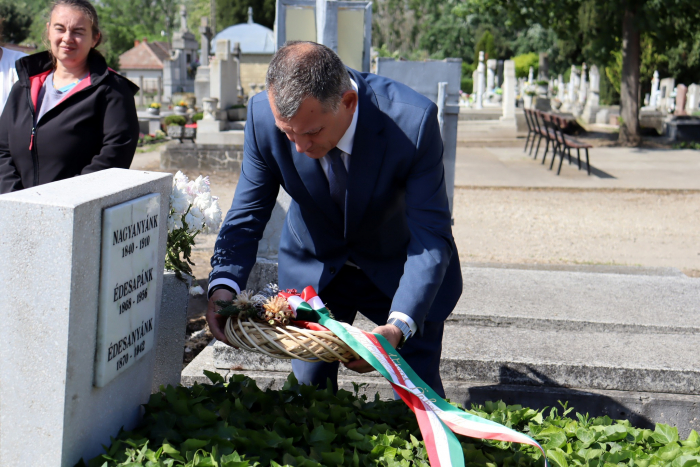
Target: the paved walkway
pixel 612 167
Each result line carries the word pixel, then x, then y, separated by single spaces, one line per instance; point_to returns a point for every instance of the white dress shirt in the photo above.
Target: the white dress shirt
pixel 345 145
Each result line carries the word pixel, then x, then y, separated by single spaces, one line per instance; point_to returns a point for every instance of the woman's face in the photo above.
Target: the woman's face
pixel 70 36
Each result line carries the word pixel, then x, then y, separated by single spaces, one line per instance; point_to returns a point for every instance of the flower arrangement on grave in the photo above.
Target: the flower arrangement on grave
pixel 154 105
pixel 266 322
pixel 288 324
pixel 193 210
pixel 182 104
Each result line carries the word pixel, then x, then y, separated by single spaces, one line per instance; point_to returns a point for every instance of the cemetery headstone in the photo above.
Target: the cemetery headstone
pixel 328 22
pixel 681 94
pixel 666 87
pixel 425 77
pixel 80 292
pixel 490 76
pixel 480 82
pixel 508 91
pixel 224 75
pixel 183 53
pixel 202 79
pixel 591 108
pixel 693 99
pixel 654 99
pixel 560 88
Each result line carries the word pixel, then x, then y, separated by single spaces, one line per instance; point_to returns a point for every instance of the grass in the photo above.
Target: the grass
pixel 150 147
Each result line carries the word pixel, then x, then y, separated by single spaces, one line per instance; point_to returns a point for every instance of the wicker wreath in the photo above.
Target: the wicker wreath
pixel 287 342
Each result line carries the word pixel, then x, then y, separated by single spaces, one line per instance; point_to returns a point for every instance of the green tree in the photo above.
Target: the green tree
pixel 524 62
pixel 486 44
pixel 230 12
pixel 15 22
pixel 124 21
pixel 600 27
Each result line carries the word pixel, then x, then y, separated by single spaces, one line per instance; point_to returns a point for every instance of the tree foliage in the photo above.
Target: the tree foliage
pixel 15 22
pixel 230 12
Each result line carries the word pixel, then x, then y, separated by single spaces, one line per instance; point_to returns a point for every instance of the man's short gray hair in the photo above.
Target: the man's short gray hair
pixel 306 69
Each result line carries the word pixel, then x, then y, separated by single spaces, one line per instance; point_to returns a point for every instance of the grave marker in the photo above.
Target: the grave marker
pixel 54 264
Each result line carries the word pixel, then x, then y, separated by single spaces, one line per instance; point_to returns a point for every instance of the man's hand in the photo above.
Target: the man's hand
pixel 215 320
pixel 391 333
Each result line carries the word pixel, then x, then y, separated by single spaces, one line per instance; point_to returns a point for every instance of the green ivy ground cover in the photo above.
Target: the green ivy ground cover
pixel 235 424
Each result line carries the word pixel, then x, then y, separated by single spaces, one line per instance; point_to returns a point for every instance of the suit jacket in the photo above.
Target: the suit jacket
pixel 397 226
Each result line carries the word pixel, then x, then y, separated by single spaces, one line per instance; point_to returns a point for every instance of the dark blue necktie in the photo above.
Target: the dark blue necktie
pixel 337 178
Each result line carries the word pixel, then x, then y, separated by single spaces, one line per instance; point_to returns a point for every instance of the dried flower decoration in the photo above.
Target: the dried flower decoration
pixel 277 309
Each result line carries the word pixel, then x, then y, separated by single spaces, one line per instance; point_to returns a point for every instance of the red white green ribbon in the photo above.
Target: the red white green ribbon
pixel 437 419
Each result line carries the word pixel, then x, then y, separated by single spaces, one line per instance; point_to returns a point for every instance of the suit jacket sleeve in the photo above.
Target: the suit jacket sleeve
pixel 120 131
pixel 237 244
pixel 10 179
pixel 430 223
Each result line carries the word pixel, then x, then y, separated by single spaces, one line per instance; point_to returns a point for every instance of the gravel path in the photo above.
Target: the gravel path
pixel 552 226
pixel 642 228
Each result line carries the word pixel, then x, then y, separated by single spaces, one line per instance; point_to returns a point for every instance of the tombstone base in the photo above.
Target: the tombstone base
pixel 204 157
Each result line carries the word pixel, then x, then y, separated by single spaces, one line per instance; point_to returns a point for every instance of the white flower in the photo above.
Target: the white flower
pixel 203 201
pixel 212 216
pixel 178 222
pixel 196 290
pixel 179 201
pixel 201 184
pixel 194 224
pixel 171 224
pixel 180 180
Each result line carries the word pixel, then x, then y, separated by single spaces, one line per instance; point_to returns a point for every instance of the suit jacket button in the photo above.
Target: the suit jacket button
pixel 332 270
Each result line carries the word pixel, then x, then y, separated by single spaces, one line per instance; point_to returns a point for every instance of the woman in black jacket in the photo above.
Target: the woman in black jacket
pixel 68 114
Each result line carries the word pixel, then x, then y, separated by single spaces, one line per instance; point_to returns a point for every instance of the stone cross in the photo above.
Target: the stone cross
pixel 205 39
pixel 183 18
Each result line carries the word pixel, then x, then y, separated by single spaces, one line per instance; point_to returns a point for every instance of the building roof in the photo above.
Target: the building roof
pixel 254 38
pixel 145 56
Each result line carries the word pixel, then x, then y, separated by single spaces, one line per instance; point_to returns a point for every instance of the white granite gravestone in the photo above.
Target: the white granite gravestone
pixel 51 242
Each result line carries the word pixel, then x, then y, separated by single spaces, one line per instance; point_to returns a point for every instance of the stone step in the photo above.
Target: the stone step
pixel 606 328
pixel 642 409
pixel 555 358
pixel 597 298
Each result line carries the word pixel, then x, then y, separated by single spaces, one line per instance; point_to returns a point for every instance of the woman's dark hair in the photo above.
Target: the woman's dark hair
pixel 86 8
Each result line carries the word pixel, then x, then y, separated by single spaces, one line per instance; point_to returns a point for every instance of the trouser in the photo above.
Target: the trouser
pixel 352 291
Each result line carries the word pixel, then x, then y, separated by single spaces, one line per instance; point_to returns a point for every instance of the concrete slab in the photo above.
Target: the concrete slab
pixel 612 167
pixel 643 409
pixel 582 359
pixel 580 299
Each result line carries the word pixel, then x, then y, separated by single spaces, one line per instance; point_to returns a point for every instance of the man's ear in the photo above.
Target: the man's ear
pixel 349 100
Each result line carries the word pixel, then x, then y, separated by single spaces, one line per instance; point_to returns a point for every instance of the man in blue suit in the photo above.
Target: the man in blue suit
pixel 369 225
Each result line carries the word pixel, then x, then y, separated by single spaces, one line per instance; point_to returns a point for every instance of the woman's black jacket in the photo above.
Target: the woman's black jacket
pixel 94 127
